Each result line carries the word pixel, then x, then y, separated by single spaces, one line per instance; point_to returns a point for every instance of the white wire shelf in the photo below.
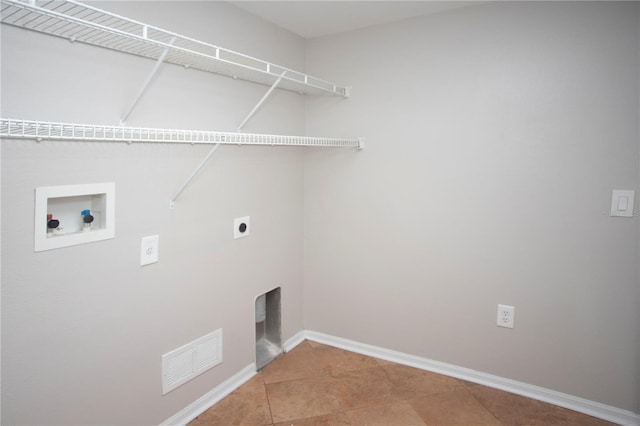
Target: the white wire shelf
pixel 83 23
pixel 44 130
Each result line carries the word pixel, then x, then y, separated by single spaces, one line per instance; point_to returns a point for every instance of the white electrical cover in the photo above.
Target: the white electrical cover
pixel 622 203
pixel 238 228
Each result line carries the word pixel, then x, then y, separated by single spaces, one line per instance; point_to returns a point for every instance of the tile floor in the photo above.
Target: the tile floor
pixel 315 384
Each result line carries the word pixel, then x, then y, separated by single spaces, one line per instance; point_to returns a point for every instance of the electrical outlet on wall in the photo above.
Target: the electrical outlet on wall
pixel 506 316
pixel 241 227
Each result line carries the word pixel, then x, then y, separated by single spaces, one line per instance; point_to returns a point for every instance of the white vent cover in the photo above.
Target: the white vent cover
pixel 185 363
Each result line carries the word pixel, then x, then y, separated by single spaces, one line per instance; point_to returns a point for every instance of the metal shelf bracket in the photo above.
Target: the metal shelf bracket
pixel 172 202
pixel 261 101
pixel 147 82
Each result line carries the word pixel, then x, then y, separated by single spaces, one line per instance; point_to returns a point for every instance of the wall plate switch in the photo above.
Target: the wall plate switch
pixel 149 250
pixel 622 203
pixel 506 316
pixel 241 227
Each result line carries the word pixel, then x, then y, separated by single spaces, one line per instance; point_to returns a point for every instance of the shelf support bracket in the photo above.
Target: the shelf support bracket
pixel 147 82
pixel 261 101
pixel 172 202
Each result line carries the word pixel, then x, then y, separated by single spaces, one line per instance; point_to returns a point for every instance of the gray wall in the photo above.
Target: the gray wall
pixel 84 327
pixel 495 135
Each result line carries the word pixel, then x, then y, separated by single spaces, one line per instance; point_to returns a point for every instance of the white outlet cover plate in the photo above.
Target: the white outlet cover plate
pixel 236 227
pixel 149 250
pixel 615 203
pixel 506 316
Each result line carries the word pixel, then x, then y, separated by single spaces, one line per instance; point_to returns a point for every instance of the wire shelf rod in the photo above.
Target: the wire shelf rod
pixel 43 130
pixel 80 22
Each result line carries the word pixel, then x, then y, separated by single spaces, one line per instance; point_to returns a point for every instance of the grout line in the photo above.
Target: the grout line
pixel 268 401
pixel 482 405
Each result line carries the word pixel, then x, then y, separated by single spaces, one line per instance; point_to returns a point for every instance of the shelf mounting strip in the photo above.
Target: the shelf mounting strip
pixel 76 21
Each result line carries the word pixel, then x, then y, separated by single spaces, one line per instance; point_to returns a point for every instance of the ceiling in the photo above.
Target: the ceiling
pixel 310 19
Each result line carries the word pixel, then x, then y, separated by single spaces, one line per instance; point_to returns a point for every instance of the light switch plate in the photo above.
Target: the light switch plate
pixel 149 250
pixel 618 201
pixel 241 227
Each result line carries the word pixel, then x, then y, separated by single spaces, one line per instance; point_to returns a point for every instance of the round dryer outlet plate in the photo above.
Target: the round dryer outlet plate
pixel 241 227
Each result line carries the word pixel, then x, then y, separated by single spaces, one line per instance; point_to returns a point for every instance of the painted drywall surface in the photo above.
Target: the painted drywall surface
pixel 84 327
pixel 495 135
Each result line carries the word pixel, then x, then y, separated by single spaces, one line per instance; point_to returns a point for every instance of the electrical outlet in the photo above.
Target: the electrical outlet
pixel 506 316
pixel 241 227
pixel 149 250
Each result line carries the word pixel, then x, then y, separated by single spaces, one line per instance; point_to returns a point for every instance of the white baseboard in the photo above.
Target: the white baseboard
pixel 207 400
pixel 592 408
pixel 295 340
pixel 581 405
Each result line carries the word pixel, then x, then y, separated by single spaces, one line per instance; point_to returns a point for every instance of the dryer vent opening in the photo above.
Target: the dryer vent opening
pixel 268 327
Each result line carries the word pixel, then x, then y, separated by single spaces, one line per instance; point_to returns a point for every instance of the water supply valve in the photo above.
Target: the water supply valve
pixel 87 219
pixel 52 225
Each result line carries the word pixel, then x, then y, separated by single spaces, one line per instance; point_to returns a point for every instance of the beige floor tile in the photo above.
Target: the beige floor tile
pixel 247 405
pixel 467 384
pixel 333 419
pixel 384 362
pixel 256 383
pixel 513 409
pixel 314 344
pixel 411 382
pixel 579 419
pixel 295 399
pixel 362 388
pixel 398 413
pixel 453 408
pixel 298 363
pixel 315 384
pixel 334 360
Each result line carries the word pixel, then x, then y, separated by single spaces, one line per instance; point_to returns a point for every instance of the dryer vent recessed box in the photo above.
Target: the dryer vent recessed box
pixel 73 214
